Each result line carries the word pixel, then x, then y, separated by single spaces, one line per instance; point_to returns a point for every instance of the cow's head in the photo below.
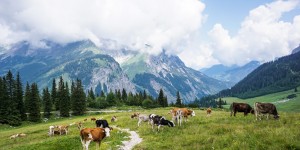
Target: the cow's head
pixel 171 124
pixel 252 111
pixel 193 113
pixel 107 131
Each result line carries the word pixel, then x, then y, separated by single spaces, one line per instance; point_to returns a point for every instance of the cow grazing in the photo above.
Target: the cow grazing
pixel 51 130
pixel 135 115
pixel 102 124
pixel 78 124
pixel 63 129
pixel 240 107
pixel 93 134
pixel 85 119
pixel 113 118
pixel 208 111
pixel 161 121
pixel 185 112
pixel 93 119
pixel 142 118
pixel 265 108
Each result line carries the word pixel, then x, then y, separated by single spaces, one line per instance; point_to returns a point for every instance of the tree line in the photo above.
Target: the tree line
pixel 18 104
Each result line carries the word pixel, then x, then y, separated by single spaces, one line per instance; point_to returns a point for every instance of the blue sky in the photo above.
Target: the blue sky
pixel 202 33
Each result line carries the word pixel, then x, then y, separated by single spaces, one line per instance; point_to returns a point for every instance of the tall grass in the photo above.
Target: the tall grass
pixel 219 131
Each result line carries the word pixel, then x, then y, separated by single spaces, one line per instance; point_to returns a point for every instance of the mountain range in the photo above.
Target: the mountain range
pixel 270 77
pixel 107 70
pixel 230 74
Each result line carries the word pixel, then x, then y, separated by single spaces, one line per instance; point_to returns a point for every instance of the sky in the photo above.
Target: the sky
pixel 201 32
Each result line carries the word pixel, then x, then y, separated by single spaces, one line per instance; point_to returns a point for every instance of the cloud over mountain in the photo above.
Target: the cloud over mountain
pixel 138 24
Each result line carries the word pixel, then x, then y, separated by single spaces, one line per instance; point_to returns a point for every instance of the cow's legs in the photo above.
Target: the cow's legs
pixel 234 113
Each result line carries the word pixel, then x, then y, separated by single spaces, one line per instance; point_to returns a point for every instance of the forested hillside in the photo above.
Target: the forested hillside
pixel 279 75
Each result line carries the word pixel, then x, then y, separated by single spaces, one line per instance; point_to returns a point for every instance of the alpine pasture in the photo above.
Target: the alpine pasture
pixel 217 131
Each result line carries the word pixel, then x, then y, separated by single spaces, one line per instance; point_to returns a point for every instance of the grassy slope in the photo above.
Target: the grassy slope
pixel 219 131
pixel 291 106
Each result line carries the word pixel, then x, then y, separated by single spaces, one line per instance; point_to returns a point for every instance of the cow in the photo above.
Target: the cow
pixel 135 115
pixel 265 108
pixel 102 124
pixel 113 118
pixel 143 118
pixel 63 129
pixel 85 119
pixel 93 119
pixel 78 124
pixel 241 107
pixel 93 134
pixel 161 121
pixel 185 112
pixel 179 116
pixel 208 111
pixel 17 135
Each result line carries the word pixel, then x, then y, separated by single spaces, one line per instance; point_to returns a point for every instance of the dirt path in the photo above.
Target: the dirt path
pixel 134 139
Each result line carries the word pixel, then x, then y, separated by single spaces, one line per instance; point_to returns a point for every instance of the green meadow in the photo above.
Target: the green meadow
pixel 279 99
pixel 218 131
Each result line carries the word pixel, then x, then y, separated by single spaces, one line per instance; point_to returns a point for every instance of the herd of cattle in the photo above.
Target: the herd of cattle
pixel 103 129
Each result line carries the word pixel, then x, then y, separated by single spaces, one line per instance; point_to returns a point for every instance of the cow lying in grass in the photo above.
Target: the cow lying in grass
pixel 17 135
pixel 87 135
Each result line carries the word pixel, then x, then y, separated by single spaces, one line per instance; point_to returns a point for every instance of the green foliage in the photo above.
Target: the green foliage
pixel 271 77
pixel 148 103
pixel 78 98
pixel 19 96
pixel 54 98
pixel 178 100
pixel 34 104
pixel 47 103
pixel 64 98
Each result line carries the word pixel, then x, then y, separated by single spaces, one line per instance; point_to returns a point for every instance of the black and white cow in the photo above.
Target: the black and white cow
pixel 102 124
pixel 265 108
pixel 161 121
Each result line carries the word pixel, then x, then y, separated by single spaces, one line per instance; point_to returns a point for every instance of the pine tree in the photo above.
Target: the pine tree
pixel 63 99
pixel 47 103
pixel 14 115
pixel 27 97
pixel 124 96
pixel 78 98
pixel 91 99
pixel 160 98
pixel 295 90
pixel 54 98
pixel 19 95
pixel 178 100
pixel 220 103
pixel 34 104
pixel 4 102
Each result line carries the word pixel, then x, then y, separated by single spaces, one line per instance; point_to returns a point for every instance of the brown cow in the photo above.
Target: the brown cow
pixel 241 107
pixel 113 118
pixel 93 134
pixel 135 115
pixel 265 108
pixel 93 119
pixel 185 112
pixel 208 111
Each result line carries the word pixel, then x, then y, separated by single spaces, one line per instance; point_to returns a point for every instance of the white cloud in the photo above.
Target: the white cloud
pixel 262 36
pixel 133 23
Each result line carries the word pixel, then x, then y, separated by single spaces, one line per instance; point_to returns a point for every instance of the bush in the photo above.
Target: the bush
pixel 147 103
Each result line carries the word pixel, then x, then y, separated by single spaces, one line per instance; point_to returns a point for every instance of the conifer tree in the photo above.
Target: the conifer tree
pixel 178 100
pixel 160 98
pixel 34 104
pixel 124 96
pixel 63 99
pixel 19 95
pixel 27 97
pixel 78 98
pixel 54 98
pixel 91 99
pixel 47 103
pixel 4 101
pixel 14 115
